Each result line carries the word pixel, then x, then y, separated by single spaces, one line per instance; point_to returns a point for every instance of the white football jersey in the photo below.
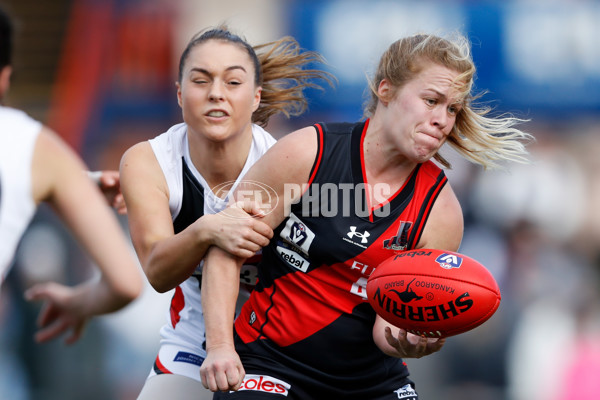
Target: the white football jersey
pixel 18 134
pixel 185 319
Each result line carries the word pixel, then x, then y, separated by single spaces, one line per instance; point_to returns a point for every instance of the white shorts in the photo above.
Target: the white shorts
pixel 178 360
pixel 169 386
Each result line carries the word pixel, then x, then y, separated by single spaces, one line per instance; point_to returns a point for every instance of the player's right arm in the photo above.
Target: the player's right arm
pixel 282 164
pixel 164 257
pixel 167 258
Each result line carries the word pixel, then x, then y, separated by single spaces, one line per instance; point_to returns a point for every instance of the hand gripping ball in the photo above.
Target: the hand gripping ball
pixel 433 293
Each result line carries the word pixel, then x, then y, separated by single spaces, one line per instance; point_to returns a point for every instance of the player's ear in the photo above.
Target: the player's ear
pixel 5 73
pixel 257 95
pixel 178 85
pixel 384 91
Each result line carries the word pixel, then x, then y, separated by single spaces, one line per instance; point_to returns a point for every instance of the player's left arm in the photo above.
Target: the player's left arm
pixel 445 226
pixel 444 230
pixel 58 181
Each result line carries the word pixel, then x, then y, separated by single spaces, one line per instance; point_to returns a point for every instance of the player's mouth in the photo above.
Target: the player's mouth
pixel 438 137
pixel 216 114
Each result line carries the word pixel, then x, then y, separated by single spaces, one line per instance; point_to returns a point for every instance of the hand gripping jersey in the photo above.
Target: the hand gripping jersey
pixel 182 337
pixel 18 134
pixel 309 310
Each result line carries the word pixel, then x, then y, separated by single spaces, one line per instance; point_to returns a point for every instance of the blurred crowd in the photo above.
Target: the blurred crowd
pixel 536 227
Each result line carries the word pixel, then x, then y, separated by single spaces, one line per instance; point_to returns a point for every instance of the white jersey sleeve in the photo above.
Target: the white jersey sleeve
pixel 18 135
pixel 169 149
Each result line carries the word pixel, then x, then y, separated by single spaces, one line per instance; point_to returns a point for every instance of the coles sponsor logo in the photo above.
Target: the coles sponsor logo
pixel 264 383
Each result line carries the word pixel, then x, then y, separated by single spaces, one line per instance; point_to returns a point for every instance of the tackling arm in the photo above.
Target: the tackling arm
pixel 222 369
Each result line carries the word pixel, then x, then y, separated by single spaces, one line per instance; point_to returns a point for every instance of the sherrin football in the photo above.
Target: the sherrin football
pixel 433 293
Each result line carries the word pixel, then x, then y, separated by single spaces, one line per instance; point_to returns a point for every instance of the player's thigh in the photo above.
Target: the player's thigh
pixel 174 387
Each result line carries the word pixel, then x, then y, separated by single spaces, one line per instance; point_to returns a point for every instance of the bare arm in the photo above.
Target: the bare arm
pixel 109 183
pixel 58 181
pixel 168 258
pixel 444 230
pixel 222 369
pixel 445 226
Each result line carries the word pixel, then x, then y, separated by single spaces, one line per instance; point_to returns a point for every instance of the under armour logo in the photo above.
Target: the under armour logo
pixel 363 236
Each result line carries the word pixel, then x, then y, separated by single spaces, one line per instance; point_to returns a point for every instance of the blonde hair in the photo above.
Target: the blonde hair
pixel 476 135
pixel 284 78
pixel 278 70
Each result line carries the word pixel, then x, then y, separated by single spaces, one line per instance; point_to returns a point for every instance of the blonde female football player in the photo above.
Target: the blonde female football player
pixel 308 331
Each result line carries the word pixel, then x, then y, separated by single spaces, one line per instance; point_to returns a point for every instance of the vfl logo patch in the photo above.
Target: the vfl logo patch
pixel 448 261
pixel 406 392
pixel 297 234
pixel 295 243
pixel 363 236
pixel 265 383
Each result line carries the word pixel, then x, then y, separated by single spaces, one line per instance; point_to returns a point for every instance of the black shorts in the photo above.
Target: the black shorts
pixel 405 392
pixel 270 375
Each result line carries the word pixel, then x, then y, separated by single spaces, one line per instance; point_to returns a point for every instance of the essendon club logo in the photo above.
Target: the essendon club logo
pixel 400 241
pixel 264 383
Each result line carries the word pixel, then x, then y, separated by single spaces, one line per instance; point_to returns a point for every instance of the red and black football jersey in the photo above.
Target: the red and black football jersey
pixel 309 309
